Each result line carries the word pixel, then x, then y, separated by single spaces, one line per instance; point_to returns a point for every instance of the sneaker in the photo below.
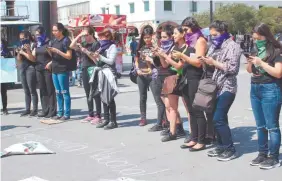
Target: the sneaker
pixel 165 132
pixel 215 152
pixel 64 118
pixel 180 132
pixel 26 113
pixel 96 120
pixel 169 137
pixel 227 155
pixel 142 122
pixel 258 160
pixel 87 119
pixel 155 128
pixel 269 163
pixel 56 117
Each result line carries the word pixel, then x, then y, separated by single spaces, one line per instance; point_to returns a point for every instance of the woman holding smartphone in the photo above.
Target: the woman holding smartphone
pixel 61 57
pixel 192 73
pixel 266 99
pixel 28 74
pixel 44 75
pixel 88 44
pixel 144 69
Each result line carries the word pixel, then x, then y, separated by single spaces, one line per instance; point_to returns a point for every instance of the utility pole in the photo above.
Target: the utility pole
pixel 211 11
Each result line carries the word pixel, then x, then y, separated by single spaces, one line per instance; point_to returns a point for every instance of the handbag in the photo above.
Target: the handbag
pixel 205 97
pixel 170 84
pixel 133 75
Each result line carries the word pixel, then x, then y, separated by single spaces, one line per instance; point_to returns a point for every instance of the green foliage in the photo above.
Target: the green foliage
pixel 242 18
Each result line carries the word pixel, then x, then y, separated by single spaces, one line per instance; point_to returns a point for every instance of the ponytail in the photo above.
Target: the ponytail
pixel 61 28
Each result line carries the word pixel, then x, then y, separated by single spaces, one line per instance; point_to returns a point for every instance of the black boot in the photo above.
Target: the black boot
pixel 113 124
pixel 105 122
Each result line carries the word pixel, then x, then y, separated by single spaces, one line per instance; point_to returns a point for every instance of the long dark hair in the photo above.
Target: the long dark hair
pixel 191 23
pixel 148 30
pixel 271 43
pixel 168 29
pixel 91 31
pixel 61 28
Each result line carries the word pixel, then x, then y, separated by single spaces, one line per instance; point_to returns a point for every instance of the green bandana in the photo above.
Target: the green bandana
pixel 261 46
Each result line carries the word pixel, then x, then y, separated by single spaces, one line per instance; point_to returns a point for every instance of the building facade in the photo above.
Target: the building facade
pixel 143 12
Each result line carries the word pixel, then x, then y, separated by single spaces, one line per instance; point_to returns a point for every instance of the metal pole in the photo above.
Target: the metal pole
pixel 211 11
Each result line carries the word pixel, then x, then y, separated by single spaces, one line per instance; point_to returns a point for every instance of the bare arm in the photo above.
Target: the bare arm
pixel 73 44
pixel 28 55
pixel 249 67
pixel 178 65
pixel 163 62
pixel 275 71
pixel 67 55
pixel 201 48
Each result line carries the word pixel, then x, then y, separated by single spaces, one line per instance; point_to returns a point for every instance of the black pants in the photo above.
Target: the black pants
pixel 156 87
pixel 110 110
pixel 4 87
pixel 197 118
pixel 47 92
pixel 144 82
pixel 86 85
pixel 28 79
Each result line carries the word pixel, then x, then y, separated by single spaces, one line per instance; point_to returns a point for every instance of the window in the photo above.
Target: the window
pixel 167 5
pixel 118 10
pixel 131 6
pixel 103 10
pixel 193 6
pixel 146 6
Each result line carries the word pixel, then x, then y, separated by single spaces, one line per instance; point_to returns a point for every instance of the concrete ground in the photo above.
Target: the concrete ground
pixel 85 153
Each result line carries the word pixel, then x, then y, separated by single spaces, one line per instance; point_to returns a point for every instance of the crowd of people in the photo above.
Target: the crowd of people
pixel 183 65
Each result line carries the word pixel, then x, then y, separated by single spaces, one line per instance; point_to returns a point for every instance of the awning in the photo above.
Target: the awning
pixel 15 23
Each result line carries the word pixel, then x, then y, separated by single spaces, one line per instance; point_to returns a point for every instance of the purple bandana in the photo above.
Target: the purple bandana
pixel 104 45
pixel 41 40
pixel 191 38
pixel 166 45
pixel 218 40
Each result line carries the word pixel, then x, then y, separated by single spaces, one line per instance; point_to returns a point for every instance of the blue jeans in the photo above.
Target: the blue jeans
pixel 266 105
pixel 61 83
pixel 220 120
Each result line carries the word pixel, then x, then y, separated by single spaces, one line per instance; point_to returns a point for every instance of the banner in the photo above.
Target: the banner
pixel 8 71
pixel 98 20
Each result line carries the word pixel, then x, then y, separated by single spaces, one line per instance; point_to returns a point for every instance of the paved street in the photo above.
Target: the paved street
pixel 84 153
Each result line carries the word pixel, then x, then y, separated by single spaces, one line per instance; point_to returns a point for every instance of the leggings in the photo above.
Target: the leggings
pixel 144 82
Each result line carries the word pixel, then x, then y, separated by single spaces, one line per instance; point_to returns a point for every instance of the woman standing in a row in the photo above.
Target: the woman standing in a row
pixel 88 44
pixel 44 75
pixel 266 99
pixel 61 57
pixel 28 73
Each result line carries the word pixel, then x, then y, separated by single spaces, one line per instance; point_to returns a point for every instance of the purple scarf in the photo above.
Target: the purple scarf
pixel 218 40
pixel 41 40
pixel 191 38
pixel 104 45
pixel 4 51
pixel 166 45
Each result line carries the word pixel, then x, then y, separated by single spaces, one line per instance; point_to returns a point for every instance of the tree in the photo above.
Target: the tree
pixel 272 17
pixel 203 19
pixel 240 17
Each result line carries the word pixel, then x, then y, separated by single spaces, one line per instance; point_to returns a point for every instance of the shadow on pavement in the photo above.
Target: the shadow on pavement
pixel 244 137
pixel 7 127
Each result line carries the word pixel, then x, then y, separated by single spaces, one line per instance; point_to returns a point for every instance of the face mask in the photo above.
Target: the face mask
pixel 260 43
pixel 167 44
pixel 219 39
pixel 191 38
pixel 41 40
pixel 83 41
pixel 25 41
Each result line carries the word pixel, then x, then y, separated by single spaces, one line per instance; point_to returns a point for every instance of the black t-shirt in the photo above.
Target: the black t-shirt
pixel 265 78
pixel 42 57
pixel 189 71
pixel 86 61
pixel 59 63
pixel 144 51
